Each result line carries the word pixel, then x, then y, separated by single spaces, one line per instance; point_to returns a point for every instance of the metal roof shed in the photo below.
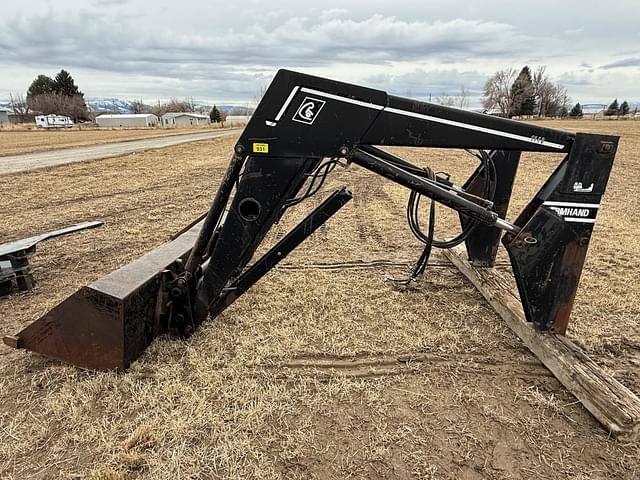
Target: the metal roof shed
pixel 127 120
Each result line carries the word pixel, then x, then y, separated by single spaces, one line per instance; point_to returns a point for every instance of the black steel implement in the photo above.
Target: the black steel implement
pixel 303 127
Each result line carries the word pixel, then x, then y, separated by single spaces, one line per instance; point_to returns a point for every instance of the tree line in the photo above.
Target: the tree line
pixel 533 94
pixel 526 93
pixel 61 96
pixel 615 110
pixel 507 92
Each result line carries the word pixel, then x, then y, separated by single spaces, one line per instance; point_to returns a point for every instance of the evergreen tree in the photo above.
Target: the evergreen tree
pixel 613 109
pixel 523 100
pixel 41 85
pixel 564 112
pixel 57 96
pixel 624 108
pixel 576 111
pixel 214 115
pixel 65 85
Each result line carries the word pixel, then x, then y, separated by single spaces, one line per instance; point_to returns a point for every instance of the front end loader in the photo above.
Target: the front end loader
pixel 303 127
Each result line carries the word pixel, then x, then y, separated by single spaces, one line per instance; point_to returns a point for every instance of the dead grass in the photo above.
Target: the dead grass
pixel 21 140
pixel 327 372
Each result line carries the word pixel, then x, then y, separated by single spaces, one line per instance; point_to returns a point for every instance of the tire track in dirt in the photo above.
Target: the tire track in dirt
pixel 367 365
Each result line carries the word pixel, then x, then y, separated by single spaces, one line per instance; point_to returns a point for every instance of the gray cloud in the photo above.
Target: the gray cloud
pixel 109 3
pixel 112 43
pixel 171 49
pixel 626 62
pixel 422 83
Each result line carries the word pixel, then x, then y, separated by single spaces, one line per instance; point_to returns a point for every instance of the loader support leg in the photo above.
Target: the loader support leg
pixel 284 247
pixel 483 241
pixel 263 189
pixel 548 253
pixel 215 212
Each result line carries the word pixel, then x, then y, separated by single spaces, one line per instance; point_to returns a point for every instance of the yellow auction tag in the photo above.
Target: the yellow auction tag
pixel 260 148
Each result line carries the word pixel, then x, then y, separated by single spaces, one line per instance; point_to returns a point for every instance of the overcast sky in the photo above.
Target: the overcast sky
pixel 225 51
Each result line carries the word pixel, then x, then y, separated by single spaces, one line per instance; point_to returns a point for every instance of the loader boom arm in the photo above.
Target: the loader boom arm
pixel 303 127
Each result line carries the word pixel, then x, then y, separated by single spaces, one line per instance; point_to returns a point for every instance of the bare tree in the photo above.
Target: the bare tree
pixel 262 89
pixel 551 97
pixel 497 91
pixel 138 106
pixel 461 100
pixel 19 106
pixel 190 102
pixel 59 104
pixel 540 85
pixel 173 106
pixel 445 100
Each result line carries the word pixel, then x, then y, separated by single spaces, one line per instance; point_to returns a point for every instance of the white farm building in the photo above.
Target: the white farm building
pixel 4 116
pixel 127 120
pixel 184 119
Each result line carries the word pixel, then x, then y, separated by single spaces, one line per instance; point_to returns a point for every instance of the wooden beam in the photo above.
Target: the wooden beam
pixel 616 407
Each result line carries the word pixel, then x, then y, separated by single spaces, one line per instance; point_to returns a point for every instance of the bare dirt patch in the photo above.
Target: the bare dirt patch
pixel 323 369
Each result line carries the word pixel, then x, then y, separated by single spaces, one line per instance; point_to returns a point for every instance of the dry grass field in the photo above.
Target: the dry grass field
pixel 324 369
pixel 16 141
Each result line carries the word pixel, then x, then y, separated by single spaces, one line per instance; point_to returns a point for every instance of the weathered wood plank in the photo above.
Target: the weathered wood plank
pixel 616 407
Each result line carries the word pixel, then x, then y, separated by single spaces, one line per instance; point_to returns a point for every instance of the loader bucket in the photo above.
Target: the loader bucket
pixel 108 324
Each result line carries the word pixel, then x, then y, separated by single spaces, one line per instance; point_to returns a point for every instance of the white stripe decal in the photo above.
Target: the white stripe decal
pixel 580 220
pixel 342 99
pixel 294 90
pixel 444 121
pixel 571 204
pixel 477 128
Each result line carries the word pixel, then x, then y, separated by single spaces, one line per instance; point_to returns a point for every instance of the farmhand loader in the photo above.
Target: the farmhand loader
pixel 302 129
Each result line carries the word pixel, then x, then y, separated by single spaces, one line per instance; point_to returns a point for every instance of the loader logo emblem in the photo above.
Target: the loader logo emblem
pixel 308 110
pixel 577 187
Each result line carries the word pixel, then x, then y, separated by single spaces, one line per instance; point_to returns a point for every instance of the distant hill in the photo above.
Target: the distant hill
pixel 597 107
pixel 116 105
pixel 110 105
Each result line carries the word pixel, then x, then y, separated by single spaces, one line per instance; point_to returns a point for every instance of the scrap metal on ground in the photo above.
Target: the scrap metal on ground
pixel 15 271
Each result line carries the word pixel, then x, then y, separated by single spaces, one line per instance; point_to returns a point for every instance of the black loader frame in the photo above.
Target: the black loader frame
pixel 280 160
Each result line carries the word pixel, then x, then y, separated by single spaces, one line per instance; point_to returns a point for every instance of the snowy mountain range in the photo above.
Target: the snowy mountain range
pixel 117 105
pixel 111 105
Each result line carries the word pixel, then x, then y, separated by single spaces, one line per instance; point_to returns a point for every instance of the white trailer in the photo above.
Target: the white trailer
pixel 53 121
